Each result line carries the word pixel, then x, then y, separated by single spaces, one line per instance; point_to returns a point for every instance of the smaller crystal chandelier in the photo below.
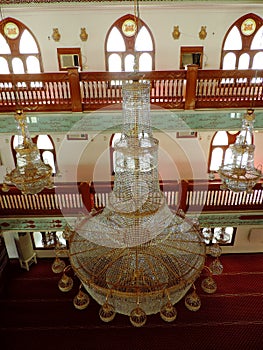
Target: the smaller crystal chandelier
pixel 31 175
pixel 238 172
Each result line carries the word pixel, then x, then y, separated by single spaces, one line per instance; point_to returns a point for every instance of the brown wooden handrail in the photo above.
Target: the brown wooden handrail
pixel 208 196
pixel 83 91
pixel 73 199
pixel 230 89
pixel 39 92
pixel 64 199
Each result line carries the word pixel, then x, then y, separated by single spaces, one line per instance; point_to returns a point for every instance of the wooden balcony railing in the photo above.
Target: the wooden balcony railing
pixel 229 89
pixel 68 199
pixel 83 91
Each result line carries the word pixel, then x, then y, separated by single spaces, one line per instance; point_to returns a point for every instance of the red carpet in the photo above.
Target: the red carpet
pixel 34 314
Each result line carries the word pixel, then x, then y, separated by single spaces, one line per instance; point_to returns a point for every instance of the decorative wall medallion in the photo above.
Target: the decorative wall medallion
pixel 248 26
pixel 129 27
pixel 11 30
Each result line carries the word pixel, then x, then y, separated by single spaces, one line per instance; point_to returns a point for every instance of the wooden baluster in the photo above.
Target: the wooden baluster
pixel 181 89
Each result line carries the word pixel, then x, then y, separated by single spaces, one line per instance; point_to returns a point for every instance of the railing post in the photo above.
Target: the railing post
pixel 84 189
pixel 191 81
pixel 74 85
pixel 183 187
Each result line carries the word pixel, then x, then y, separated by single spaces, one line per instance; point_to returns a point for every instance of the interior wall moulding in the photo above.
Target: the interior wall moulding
pixel 27 2
pixel 30 2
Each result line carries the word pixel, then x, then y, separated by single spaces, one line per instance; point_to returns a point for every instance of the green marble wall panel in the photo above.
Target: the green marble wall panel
pixel 50 2
pixel 58 223
pixel 111 121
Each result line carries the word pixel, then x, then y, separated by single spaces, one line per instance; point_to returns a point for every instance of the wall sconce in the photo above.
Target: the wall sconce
pixel 203 33
pixel 176 33
pixel 56 35
pixel 83 34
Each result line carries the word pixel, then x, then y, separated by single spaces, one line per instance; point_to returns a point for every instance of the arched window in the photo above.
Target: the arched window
pixel 218 147
pixel 19 49
pixel 220 235
pixel 48 240
pixel 46 148
pixel 114 138
pixel 242 43
pixel 128 39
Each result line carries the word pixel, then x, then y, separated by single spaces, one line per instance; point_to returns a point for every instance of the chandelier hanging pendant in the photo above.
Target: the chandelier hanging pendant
pixel 136 257
pixel 238 172
pixel 31 175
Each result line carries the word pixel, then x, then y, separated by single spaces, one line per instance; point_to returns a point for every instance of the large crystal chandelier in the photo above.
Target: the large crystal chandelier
pixel 31 175
pixel 136 257
pixel 238 172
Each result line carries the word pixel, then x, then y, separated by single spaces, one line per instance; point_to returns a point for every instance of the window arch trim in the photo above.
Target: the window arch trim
pixel 246 40
pixel 129 40
pixel 15 43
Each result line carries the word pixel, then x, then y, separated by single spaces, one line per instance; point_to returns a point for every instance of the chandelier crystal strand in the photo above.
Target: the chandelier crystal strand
pixel 168 312
pixel 81 300
pixel 192 300
pixel 31 175
pixel 58 264
pixel 136 251
pixel 107 312
pixel 215 250
pixel 239 174
pixel 65 284
pixel 208 284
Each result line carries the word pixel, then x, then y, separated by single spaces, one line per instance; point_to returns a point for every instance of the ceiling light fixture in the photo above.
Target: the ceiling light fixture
pixel 137 257
pixel 31 175
pixel 238 172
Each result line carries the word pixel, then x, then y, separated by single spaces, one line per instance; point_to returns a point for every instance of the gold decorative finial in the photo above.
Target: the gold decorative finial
pixel 56 35
pixel 176 33
pixel 83 34
pixel 203 33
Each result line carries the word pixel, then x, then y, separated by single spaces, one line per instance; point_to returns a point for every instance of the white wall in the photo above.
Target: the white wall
pixel 161 19
pixel 90 160
pixel 244 242
pixel 9 238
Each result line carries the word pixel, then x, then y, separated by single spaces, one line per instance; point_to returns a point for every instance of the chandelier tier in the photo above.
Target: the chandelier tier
pixel 238 172
pixel 31 175
pixel 137 257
